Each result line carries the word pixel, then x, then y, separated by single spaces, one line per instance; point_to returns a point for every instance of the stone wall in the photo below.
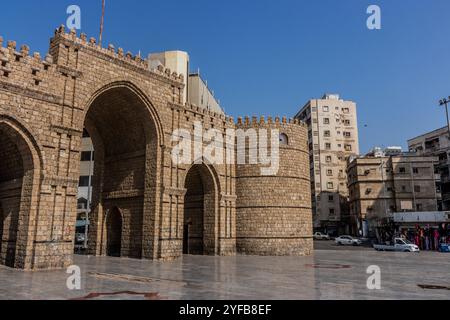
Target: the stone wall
pixel 130 112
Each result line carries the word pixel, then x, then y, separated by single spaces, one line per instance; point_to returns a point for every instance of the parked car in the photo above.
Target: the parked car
pixel 399 244
pixel 321 236
pixel 444 247
pixel 348 240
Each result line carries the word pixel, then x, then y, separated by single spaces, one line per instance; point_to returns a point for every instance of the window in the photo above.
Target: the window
pixel 86 156
pixel 330 185
pixel 332 211
pixel 326 121
pixel 415 170
pixel 402 170
pixel 419 207
pixel 416 188
pixel 328 159
pixel 345 110
pixel 330 198
pixel 82 204
pixel 347 134
pixel 389 189
pixel 403 188
pixel 284 140
pixel 84 181
pixel 347 122
pixel 327 133
pixel 329 172
pixel 348 147
pixel 326 109
pixel 328 146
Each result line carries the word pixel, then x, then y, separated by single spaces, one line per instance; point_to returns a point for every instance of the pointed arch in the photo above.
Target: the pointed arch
pixel 20 180
pixel 201 210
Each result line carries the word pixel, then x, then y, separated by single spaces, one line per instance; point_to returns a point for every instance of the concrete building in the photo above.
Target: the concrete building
pixel 201 95
pixel 144 204
pixel 333 138
pixel 382 183
pixel 196 90
pixel 176 61
pixel 436 143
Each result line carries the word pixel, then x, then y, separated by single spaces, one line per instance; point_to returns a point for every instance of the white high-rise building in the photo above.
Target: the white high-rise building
pixel 333 138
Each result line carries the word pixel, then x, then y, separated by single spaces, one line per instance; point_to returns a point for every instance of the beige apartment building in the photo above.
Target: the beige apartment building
pixel 436 143
pixel 333 138
pixel 385 182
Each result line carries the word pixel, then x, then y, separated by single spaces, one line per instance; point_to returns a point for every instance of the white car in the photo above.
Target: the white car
pixel 401 245
pixel 348 240
pixel 321 236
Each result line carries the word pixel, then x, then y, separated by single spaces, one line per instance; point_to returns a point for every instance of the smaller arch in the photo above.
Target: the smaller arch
pixel 114 228
pixel 201 210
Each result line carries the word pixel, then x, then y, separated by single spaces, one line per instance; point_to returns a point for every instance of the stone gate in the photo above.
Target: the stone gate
pixel 141 199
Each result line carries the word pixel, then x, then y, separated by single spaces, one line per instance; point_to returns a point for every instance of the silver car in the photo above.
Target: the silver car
pixel 348 240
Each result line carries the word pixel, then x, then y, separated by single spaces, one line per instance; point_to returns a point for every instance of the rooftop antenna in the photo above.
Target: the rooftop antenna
pixel 102 23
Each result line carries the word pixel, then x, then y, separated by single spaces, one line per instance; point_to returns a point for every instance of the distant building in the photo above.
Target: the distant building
pixel 86 174
pixel 382 183
pixel 200 95
pixel 436 143
pixel 177 61
pixel 197 91
pixel 333 139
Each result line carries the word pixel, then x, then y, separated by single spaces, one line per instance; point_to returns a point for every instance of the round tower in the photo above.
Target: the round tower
pixel 274 215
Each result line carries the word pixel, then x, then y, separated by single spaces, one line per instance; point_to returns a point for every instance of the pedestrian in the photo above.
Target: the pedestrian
pixel 436 239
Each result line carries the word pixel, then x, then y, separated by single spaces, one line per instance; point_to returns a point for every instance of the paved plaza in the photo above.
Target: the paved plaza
pixel 329 274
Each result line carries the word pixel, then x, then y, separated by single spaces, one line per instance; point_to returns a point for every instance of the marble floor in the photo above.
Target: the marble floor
pixel 329 274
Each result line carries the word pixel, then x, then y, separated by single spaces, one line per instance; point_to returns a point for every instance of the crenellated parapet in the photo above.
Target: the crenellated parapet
pixel 30 74
pixel 263 121
pixel 112 54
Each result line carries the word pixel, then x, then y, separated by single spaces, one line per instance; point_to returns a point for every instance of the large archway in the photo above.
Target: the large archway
pixel 17 180
pixel 200 212
pixel 114 226
pixel 126 142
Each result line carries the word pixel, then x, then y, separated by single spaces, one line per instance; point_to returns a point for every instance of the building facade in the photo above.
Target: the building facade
pixel 382 183
pixel 437 144
pixel 142 202
pixel 332 138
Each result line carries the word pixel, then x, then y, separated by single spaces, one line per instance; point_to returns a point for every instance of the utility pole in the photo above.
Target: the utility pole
pixel 445 102
pixel 102 23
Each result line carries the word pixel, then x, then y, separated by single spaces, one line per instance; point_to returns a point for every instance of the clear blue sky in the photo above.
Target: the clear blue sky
pixel 266 57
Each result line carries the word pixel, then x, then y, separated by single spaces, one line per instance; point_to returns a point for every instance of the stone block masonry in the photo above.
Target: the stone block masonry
pixel 143 205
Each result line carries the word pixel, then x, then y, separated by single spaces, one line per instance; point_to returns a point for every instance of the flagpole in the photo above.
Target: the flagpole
pixel 102 23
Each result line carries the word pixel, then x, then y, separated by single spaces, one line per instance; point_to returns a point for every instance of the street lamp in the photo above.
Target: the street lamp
pixel 445 102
